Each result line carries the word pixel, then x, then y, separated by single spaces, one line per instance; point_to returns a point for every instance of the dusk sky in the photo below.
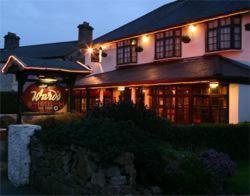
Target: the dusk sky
pixel 47 21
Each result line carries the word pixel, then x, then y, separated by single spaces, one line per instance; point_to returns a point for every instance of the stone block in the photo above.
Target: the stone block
pixel 19 153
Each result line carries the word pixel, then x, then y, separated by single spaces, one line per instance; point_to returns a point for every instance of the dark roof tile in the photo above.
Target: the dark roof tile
pixel 53 50
pixel 175 71
pixel 173 14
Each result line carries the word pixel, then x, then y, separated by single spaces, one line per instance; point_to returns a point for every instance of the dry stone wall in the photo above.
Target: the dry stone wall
pixel 76 170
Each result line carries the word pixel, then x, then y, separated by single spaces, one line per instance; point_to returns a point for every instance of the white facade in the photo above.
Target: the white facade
pixel 239 94
pixel 193 49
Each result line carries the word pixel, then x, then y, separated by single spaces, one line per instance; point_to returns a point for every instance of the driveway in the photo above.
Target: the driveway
pixel 6 188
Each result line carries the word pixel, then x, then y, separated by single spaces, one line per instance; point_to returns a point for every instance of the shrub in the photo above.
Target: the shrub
pixel 187 175
pixel 5 121
pixel 123 111
pixel 231 139
pixel 50 122
pixel 219 166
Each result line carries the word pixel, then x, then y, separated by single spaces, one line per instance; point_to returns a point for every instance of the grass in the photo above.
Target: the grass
pixel 240 182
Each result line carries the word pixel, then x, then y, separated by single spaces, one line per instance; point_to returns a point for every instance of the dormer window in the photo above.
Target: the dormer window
pixel 224 34
pixel 126 51
pixel 168 44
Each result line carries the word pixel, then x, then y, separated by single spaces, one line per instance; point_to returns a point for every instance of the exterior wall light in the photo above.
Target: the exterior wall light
pixel 47 80
pixel 133 42
pixel 213 85
pixel 192 28
pixel 145 39
pixel 90 50
pixel 121 88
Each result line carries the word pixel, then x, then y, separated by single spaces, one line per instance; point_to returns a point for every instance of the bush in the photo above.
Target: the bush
pixel 219 166
pixel 5 121
pixel 187 175
pixel 51 122
pixel 113 130
pixel 231 139
pixel 143 118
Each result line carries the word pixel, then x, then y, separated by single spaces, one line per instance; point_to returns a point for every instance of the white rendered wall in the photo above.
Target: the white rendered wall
pixel 239 103
pixel 18 153
pixel 193 49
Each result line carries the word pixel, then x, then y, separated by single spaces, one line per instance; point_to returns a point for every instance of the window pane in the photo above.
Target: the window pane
pixel 224 33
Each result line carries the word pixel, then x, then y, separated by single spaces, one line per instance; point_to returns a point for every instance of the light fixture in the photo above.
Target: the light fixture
pixel 121 88
pixel 90 50
pixel 43 86
pixel 213 85
pixel 47 80
pixel 192 28
pixel 133 42
pixel 145 39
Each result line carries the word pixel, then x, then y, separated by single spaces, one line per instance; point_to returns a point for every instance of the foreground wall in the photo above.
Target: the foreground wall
pixel 76 170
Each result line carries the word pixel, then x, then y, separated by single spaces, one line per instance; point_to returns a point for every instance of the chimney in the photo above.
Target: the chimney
pixel 85 34
pixel 11 41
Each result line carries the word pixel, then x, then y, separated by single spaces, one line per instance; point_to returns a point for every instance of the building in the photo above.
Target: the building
pixel 61 51
pixel 188 61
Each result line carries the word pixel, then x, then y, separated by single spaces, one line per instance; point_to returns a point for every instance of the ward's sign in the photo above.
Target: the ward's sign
pixel 44 99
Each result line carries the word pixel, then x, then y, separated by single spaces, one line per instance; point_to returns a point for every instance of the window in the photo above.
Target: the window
pixel 168 44
pixel 224 34
pixel 126 51
pixel 185 104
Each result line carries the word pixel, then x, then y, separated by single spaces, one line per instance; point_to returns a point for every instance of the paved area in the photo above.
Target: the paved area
pixel 6 188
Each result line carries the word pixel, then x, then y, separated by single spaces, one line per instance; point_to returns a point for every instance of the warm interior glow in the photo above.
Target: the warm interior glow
pixel 192 28
pixel 90 50
pixel 213 85
pixel 145 38
pixel 121 88
pixel 47 80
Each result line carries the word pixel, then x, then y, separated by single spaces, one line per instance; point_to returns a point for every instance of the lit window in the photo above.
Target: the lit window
pixel 168 44
pixel 223 34
pixel 126 51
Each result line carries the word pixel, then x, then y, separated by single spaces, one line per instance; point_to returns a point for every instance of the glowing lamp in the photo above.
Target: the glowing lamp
pixel 133 42
pixel 47 80
pixel 192 28
pixel 90 50
pixel 145 39
pixel 213 85
pixel 121 88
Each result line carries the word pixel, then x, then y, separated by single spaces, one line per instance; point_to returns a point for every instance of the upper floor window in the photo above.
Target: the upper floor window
pixel 168 44
pixel 223 34
pixel 126 51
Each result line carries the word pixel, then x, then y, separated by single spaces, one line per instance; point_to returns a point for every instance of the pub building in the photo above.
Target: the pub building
pixel 189 62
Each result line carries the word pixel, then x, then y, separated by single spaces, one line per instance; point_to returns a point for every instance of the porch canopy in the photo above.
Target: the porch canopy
pixel 205 68
pixel 33 69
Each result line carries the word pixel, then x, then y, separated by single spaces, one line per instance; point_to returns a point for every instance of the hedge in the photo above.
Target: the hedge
pixel 231 139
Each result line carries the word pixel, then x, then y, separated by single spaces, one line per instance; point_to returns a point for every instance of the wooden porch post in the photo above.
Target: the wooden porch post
pixel 87 99
pixel 21 81
pixel 70 83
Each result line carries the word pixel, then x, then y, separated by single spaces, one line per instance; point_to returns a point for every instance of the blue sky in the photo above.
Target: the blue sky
pixel 46 21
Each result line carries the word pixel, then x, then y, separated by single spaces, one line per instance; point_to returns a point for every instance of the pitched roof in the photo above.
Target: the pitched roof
pixel 173 14
pixel 199 68
pixel 26 63
pixel 53 50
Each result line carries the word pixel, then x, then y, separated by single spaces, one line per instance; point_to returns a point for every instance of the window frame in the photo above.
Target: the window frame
pixel 164 38
pixel 130 46
pixel 232 40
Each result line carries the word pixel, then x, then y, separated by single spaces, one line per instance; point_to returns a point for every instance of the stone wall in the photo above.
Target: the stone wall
pixel 76 170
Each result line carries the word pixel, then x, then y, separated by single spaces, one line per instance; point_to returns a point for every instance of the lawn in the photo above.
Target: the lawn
pixel 240 182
